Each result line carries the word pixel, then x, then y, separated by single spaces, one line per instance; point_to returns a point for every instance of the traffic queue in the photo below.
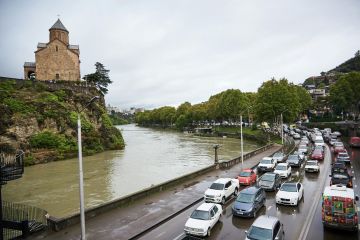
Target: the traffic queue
pixel 272 174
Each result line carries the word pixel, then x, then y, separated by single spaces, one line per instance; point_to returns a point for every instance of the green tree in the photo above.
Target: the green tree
pixel 100 78
pixel 276 97
pixel 344 94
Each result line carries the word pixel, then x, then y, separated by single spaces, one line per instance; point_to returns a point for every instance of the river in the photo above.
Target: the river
pixel 151 156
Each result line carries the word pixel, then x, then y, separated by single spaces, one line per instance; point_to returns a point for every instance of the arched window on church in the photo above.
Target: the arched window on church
pixel 57 76
pixel 57 48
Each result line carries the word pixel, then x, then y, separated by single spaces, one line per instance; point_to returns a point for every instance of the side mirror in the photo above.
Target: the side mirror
pixel 330 175
pixel 246 232
pixel 356 198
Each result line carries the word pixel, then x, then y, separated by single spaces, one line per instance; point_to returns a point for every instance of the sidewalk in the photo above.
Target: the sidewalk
pixel 125 222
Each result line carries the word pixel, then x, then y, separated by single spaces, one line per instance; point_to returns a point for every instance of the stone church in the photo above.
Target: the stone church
pixel 57 59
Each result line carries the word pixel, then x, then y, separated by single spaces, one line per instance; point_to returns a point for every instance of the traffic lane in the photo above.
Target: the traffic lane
pixel 174 228
pixel 293 218
pixel 317 231
pixel 233 227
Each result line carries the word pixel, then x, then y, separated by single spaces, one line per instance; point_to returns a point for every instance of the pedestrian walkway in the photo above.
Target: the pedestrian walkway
pixel 125 222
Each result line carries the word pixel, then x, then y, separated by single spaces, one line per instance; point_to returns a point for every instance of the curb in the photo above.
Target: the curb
pixel 138 235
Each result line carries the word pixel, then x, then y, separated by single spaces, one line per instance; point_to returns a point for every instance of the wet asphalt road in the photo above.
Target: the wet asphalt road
pixel 301 222
pixel 316 230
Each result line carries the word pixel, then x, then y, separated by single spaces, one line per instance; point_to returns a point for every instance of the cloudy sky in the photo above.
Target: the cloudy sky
pixel 165 52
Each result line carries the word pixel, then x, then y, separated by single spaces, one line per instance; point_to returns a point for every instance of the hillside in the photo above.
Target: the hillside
pixel 41 119
pixel 353 64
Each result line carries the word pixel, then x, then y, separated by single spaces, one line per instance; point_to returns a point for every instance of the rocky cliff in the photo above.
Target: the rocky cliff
pixel 41 119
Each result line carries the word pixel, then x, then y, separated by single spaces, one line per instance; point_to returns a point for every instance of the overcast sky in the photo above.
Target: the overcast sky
pixel 163 52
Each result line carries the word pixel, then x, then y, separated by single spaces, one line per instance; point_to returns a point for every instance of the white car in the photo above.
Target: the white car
pixel 319 142
pixel 266 164
pixel 300 154
pixel 296 136
pixel 336 133
pixel 283 169
pixel 303 149
pixel 312 166
pixel 278 157
pixel 332 141
pixel 222 189
pixel 203 219
pixel 290 193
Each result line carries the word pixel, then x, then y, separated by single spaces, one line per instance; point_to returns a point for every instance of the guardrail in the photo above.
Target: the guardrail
pixel 230 163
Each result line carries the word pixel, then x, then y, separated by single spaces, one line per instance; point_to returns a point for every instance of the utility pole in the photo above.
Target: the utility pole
pixel 241 143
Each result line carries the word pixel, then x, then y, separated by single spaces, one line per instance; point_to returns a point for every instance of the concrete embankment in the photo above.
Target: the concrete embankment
pixel 58 224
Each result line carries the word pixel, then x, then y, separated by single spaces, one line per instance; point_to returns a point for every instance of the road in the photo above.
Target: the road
pixel 302 222
pixel 316 230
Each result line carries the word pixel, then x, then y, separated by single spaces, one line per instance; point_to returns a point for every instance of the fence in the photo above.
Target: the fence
pixel 21 220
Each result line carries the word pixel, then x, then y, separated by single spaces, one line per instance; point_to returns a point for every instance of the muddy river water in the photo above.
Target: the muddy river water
pixel 151 156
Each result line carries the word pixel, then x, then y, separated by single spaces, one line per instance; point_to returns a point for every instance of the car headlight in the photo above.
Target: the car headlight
pixel 187 228
pixel 219 195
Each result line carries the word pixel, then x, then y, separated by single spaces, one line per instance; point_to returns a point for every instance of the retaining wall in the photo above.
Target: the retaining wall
pixel 58 224
pixel 230 163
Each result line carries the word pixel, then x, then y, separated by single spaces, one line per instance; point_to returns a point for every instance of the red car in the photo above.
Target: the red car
pixel 247 177
pixel 339 147
pixel 317 154
pixel 355 142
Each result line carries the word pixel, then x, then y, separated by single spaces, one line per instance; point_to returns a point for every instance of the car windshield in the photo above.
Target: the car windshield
pixel 338 144
pixel 259 233
pixel 217 186
pixel 288 188
pixel 319 141
pixel 293 158
pixel 311 163
pixel 268 177
pixel 343 155
pixel 340 176
pixel 265 161
pixel 278 154
pixel 245 198
pixel 201 215
pixel 280 167
pixel 245 174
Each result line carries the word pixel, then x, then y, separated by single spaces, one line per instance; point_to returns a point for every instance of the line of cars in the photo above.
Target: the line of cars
pixel 251 199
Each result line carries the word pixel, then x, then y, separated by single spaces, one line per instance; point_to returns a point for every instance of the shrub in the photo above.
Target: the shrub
pixel 52 140
pixel 19 106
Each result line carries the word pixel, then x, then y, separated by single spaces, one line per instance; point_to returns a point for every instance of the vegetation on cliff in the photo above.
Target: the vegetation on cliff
pixel 41 119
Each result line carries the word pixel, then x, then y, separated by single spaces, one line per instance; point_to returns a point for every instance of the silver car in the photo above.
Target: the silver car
pixel 266 227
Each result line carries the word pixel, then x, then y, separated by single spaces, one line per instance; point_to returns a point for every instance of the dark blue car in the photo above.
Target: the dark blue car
pixel 248 202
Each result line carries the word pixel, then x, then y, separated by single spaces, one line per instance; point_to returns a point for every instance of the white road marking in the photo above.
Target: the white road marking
pixel 180 236
pixel 269 208
pixel 358 209
pixel 352 166
pixel 355 185
pixel 354 178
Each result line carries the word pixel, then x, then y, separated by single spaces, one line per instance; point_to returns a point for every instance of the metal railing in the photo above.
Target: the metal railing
pixel 21 220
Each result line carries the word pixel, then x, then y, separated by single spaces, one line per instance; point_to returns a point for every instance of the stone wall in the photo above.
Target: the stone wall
pixel 55 59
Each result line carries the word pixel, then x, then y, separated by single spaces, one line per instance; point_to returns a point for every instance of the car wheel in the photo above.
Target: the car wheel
pixel 208 232
pixel 236 192
pixel 223 201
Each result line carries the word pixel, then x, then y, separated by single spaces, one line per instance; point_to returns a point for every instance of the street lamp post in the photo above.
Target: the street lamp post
pixel 216 146
pixel 241 143
pixel 282 129
pixel 81 177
